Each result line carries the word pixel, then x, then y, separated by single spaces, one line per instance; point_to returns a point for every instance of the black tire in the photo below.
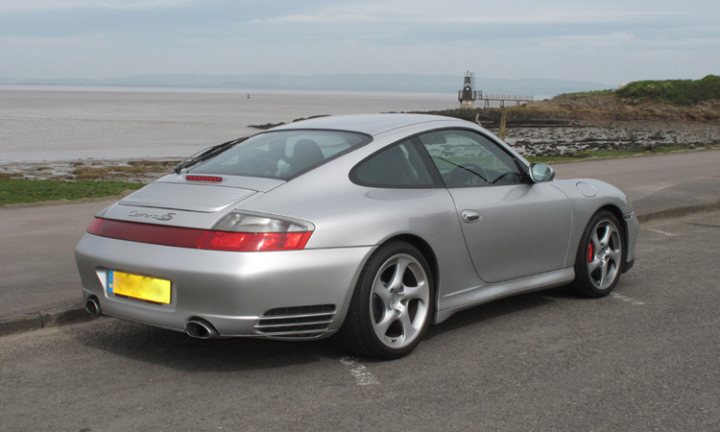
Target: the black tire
pixel 368 312
pixel 608 257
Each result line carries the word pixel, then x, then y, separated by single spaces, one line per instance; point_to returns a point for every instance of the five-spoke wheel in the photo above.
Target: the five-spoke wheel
pixel 392 303
pixel 399 301
pixel 598 264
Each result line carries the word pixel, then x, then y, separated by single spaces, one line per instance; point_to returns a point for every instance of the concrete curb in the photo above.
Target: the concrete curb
pixel 76 313
pixel 678 211
pixel 48 318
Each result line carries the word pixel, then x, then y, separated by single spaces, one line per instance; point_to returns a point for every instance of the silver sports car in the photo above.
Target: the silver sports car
pixel 367 227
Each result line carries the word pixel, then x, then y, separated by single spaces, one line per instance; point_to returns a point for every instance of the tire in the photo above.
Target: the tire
pixel 392 305
pixel 600 256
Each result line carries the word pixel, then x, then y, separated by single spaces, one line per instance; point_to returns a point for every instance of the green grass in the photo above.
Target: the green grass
pixel 679 92
pixel 17 191
pixel 591 92
pixel 605 154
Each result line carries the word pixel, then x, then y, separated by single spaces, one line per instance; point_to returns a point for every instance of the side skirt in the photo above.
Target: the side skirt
pixel 487 293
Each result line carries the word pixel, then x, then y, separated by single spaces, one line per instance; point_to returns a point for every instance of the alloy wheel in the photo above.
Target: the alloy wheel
pixel 604 254
pixel 399 301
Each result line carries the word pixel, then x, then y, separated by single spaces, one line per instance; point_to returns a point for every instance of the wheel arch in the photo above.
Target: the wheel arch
pixel 357 337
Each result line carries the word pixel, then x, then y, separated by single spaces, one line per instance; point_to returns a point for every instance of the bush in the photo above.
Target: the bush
pixel 680 92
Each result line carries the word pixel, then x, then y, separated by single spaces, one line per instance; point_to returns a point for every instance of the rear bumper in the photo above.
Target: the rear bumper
pixel 233 291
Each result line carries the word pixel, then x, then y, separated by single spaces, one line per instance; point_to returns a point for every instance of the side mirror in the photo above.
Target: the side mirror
pixel 540 173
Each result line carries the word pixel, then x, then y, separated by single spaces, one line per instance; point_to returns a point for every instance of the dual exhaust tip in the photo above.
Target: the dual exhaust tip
pixel 197 328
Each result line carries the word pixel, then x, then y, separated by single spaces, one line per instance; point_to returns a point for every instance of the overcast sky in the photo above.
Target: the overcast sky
pixel 606 41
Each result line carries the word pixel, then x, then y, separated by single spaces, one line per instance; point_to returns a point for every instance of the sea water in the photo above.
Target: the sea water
pixel 65 123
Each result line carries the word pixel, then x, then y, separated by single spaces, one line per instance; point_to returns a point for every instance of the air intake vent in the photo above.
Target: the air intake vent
pixel 297 322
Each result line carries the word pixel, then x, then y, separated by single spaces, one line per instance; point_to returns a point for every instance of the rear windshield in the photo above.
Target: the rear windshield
pixel 281 154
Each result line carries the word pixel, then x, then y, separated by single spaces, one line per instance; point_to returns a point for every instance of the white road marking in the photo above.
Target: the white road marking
pixel 665 233
pixel 361 373
pixel 627 299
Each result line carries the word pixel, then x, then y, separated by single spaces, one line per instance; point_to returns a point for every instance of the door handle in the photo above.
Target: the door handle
pixel 471 216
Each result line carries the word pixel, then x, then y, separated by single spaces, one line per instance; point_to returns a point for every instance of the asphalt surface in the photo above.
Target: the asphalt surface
pixel 37 260
pixel 37 268
pixel 644 358
pixel 657 184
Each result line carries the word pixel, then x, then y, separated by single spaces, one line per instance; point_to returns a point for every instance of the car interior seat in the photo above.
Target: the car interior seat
pixel 305 154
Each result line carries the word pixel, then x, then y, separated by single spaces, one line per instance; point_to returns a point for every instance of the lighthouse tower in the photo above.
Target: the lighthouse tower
pixel 467 95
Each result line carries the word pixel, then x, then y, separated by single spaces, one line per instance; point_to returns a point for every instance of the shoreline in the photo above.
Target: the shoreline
pixel 136 170
pixel 530 140
pixel 47 125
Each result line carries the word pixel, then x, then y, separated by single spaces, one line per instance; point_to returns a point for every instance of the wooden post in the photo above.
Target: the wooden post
pixel 503 124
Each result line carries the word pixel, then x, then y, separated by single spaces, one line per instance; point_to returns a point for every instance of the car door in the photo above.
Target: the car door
pixel 512 227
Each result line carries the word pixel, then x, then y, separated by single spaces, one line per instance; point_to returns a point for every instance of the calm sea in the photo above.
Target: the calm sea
pixel 61 123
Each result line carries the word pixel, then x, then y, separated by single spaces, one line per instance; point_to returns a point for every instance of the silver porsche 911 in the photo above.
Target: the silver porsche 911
pixel 366 227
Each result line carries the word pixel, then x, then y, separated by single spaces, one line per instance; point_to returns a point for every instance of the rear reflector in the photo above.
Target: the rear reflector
pixel 204 178
pixel 199 238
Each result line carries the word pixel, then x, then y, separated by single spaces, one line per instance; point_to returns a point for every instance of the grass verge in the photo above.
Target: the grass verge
pixel 606 154
pixel 21 191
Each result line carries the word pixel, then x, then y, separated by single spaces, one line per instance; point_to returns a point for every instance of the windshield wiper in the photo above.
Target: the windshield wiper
pixel 206 154
pixel 463 167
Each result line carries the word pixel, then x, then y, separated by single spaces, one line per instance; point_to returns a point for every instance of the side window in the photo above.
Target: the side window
pixel 468 159
pixel 399 165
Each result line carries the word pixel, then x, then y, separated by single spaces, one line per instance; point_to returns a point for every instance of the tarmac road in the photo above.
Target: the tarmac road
pixel 37 268
pixel 643 359
pixel 657 183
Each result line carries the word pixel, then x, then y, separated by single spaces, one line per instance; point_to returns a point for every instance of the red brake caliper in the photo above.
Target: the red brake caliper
pixel 590 252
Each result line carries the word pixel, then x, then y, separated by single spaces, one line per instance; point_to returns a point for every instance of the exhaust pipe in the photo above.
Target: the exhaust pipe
pixel 198 328
pixel 92 306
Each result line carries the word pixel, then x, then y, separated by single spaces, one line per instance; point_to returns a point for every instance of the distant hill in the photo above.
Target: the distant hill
pixel 331 82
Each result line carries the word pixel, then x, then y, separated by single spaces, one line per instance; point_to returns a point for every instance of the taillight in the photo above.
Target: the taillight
pixel 235 232
pixel 245 222
pixel 252 232
pixel 241 241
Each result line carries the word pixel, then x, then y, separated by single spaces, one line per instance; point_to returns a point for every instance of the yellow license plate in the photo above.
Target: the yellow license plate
pixel 138 287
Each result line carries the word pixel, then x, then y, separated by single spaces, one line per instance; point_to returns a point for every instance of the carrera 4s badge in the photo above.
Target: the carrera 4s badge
pixel 160 217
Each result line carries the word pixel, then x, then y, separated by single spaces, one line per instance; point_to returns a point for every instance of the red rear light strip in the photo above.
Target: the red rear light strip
pixel 204 178
pixel 198 238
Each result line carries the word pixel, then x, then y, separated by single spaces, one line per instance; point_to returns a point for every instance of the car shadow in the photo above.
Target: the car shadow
pixel 178 351
pixel 499 308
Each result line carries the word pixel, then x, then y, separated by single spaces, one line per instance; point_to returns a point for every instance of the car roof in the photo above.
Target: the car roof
pixel 371 124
